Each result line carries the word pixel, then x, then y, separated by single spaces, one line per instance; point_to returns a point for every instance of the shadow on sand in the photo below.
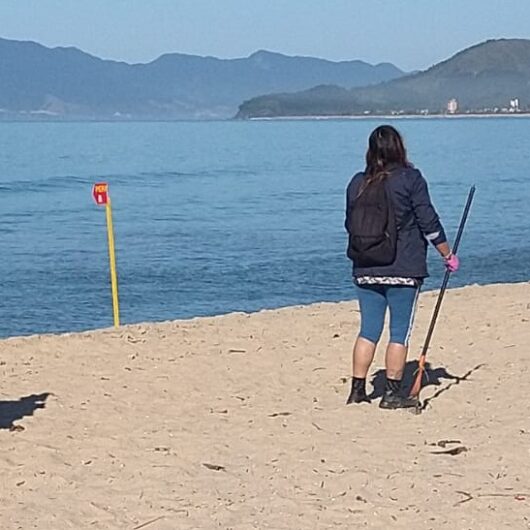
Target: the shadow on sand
pixel 11 411
pixel 431 377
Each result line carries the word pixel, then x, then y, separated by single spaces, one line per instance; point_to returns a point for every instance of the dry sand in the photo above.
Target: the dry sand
pixel 137 420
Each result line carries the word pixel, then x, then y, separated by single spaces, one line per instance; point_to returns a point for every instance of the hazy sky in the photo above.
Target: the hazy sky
pixel 413 34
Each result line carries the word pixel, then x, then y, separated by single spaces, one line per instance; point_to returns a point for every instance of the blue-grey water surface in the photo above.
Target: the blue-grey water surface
pixel 213 217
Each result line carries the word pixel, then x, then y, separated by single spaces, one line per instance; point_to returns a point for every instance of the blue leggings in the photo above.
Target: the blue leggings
pixel 373 301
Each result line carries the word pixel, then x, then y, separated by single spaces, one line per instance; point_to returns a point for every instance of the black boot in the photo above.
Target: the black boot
pixel 393 397
pixel 358 391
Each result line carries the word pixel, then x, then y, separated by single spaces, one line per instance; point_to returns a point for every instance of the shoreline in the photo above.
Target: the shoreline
pixel 265 310
pixel 317 117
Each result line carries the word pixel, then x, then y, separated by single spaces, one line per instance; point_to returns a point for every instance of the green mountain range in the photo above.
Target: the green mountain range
pixel 493 76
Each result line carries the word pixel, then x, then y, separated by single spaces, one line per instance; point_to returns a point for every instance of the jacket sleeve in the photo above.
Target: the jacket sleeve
pixel 350 197
pixel 424 211
pixel 347 214
pixel 349 202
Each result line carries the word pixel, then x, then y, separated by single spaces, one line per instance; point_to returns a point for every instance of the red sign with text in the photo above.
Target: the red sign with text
pixel 100 192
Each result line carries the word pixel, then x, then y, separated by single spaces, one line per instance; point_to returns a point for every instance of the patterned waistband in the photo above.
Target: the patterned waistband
pixel 387 280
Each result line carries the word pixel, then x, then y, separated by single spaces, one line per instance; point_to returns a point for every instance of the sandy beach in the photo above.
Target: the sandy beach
pixel 239 422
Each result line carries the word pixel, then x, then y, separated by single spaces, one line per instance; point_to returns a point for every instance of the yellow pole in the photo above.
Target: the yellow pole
pixel 112 259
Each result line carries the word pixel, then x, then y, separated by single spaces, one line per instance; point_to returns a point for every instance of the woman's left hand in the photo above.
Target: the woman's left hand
pixel 452 263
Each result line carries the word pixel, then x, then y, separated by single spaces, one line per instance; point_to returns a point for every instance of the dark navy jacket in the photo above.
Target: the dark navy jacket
pixel 416 219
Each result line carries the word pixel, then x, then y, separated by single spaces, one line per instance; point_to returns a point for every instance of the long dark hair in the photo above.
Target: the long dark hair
pixel 385 150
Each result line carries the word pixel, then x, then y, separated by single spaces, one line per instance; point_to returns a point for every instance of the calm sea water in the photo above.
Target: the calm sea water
pixel 223 216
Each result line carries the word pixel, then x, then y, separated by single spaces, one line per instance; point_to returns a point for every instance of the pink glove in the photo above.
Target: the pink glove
pixel 452 263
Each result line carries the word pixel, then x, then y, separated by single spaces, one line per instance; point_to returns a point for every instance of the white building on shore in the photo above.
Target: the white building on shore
pixel 452 106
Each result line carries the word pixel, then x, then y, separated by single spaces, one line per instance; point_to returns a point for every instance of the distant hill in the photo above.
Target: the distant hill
pixel 483 78
pixel 39 82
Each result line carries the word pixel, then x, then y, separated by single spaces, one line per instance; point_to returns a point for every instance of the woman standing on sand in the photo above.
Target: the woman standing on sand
pixel 389 218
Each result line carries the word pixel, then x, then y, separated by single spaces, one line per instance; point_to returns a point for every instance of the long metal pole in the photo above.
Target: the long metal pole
pixel 416 387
